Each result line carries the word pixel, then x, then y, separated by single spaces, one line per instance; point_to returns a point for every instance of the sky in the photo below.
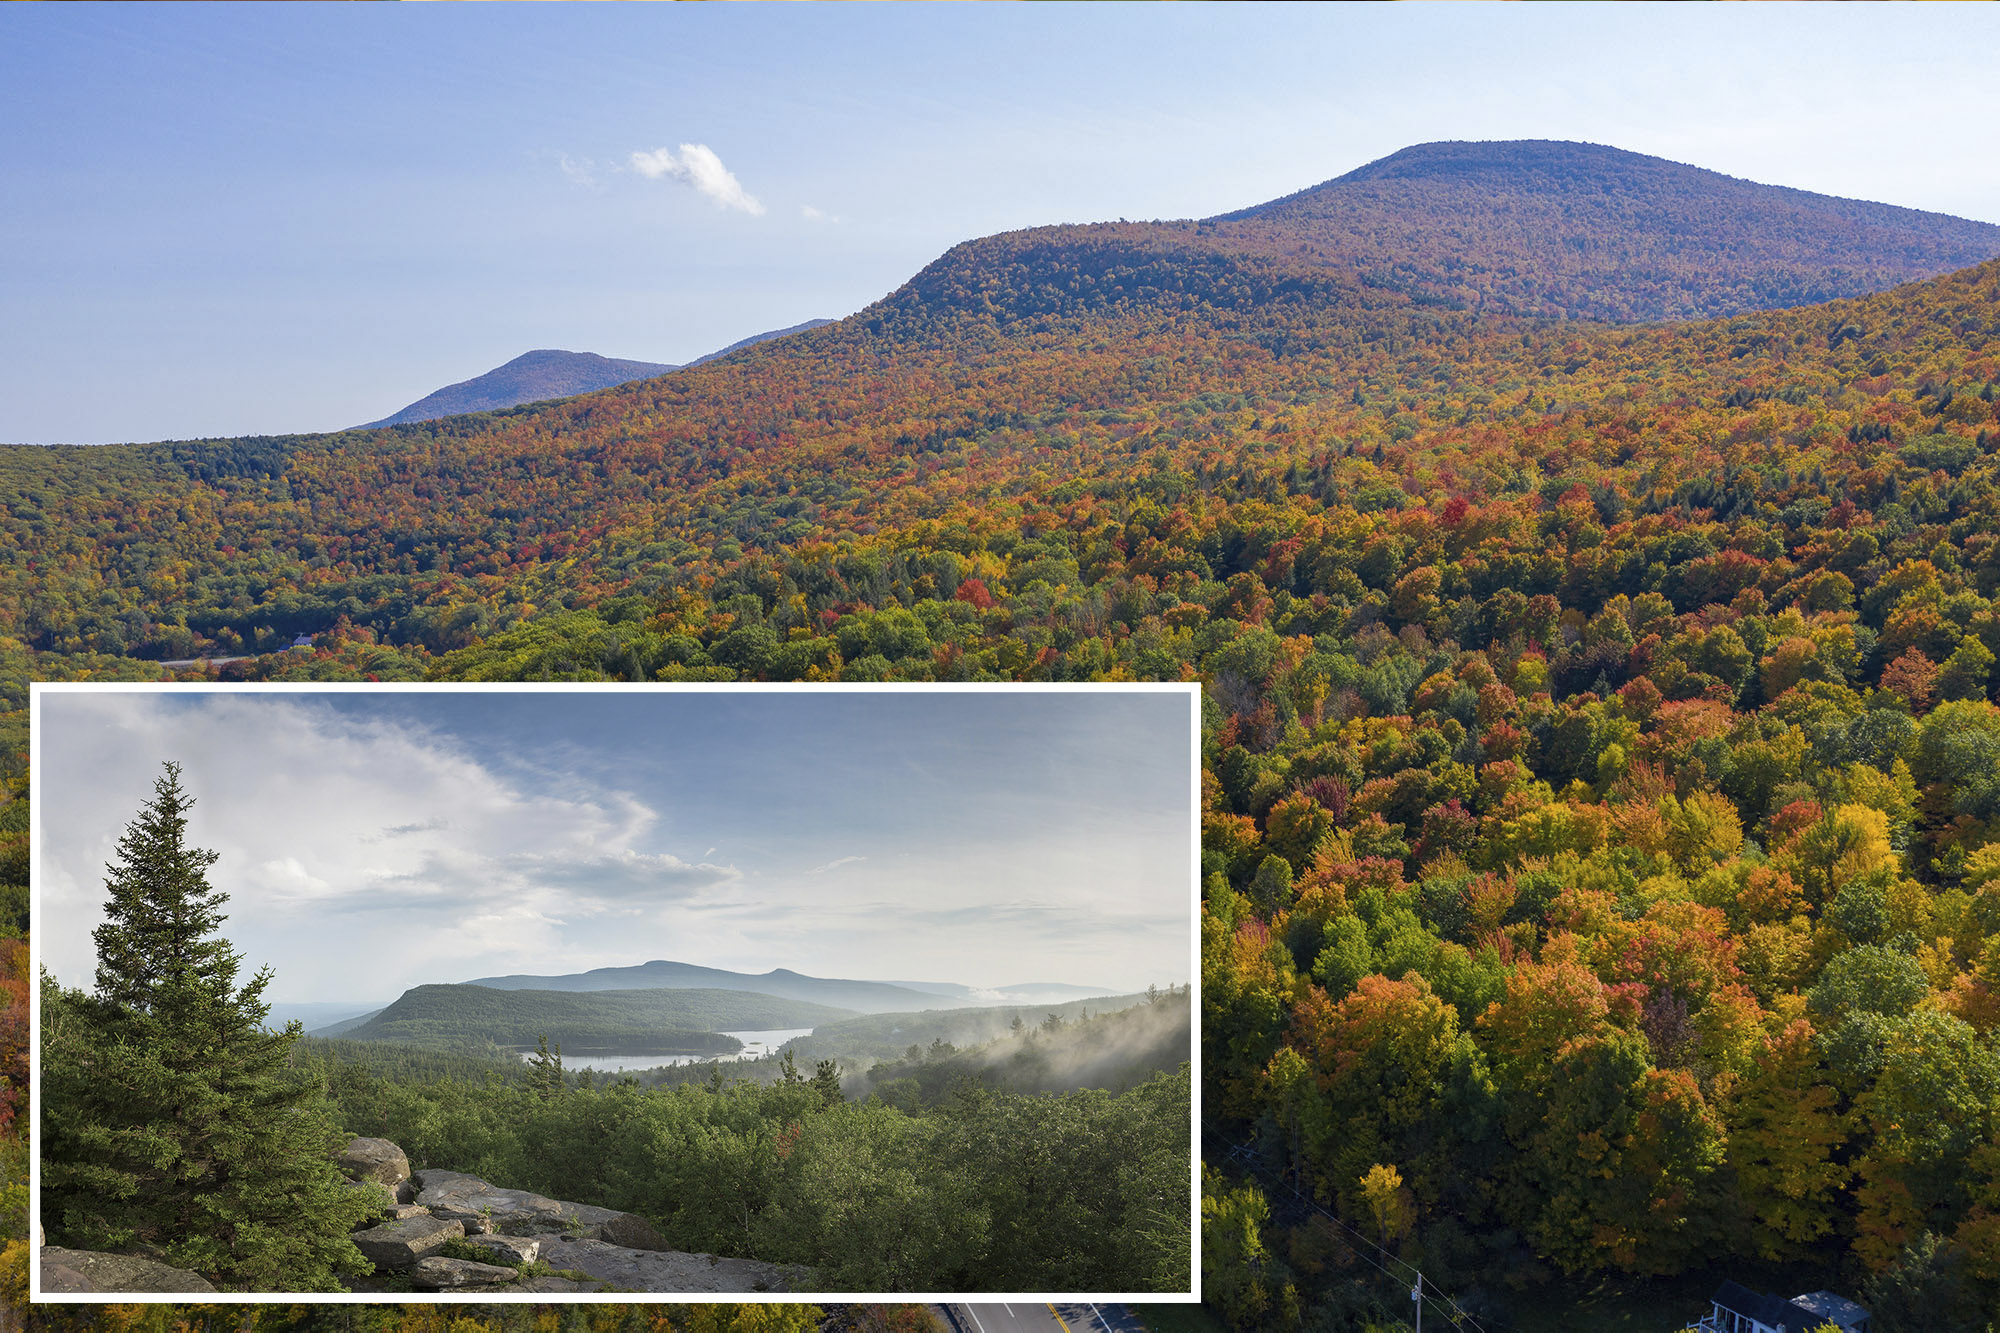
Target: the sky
pixel 374 840
pixel 233 219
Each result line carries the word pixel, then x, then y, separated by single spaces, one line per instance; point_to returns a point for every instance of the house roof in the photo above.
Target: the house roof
pixel 1829 1306
pixel 1768 1310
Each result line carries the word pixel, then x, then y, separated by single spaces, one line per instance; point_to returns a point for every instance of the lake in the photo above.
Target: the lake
pixel 755 1045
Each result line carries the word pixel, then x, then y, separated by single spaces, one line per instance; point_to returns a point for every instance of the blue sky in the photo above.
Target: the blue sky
pixel 242 218
pixel 372 841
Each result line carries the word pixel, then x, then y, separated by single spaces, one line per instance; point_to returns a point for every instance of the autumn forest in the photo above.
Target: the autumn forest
pixel 1592 570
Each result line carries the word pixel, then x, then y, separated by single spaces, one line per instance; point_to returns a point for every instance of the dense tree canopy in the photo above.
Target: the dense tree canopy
pixel 1601 761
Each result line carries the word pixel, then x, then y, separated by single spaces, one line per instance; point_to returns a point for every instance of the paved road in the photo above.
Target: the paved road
pixel 1038 1317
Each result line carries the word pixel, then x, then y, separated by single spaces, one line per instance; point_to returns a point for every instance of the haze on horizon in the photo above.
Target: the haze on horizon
pixel 375 840
pixel 225 220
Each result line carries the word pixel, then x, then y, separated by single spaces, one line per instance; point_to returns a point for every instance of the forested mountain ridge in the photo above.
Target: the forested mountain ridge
pixel 470 1016
pixel 843 993
pixel 1009 364
pixel 1592 232
pixel 1560 230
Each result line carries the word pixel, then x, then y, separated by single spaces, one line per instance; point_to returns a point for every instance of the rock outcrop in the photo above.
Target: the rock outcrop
pixel 440 1274
pixel 375 1159
pixel 484 1208
pixel 590 1248
pixel 399 1245
pixel 663 1270
pixel 89 1270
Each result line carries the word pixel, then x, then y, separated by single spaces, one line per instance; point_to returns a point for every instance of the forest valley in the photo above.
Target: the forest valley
pixel 1601 763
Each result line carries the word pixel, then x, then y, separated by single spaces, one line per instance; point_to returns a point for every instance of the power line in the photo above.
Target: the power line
pixel 1458 1318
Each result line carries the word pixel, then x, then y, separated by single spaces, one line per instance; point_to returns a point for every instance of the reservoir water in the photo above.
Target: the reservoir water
pixel 755 1045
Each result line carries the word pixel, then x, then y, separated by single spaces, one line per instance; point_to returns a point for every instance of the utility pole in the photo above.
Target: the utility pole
pixel 1417 1295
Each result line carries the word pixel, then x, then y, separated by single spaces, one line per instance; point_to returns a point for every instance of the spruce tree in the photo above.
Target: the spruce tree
pixel 172 1122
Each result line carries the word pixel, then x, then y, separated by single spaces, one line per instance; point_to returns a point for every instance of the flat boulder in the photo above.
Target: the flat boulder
pixel 90 1270
pixel 488 1208
pixel 374 1159
pixel 400 1245
pixel 436 1273
pixel 668 1270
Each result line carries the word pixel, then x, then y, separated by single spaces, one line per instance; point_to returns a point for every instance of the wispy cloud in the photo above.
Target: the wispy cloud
pixel 811 214
pixel 698 166
pixel 837 861
pixel 405 830
pixel 580 170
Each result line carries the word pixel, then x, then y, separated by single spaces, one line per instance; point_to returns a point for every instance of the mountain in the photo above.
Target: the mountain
pixel 529 378
pixel 1540 228
pixel 540 376
pixel 868 997
pixel 1025 992
pixel 1600 719
pixel 629 1020
pixel 319 1014
pixel 756 338
pixel 987 399
pixel 1586 231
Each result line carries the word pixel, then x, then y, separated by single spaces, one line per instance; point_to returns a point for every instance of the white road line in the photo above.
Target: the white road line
pixel 975 1319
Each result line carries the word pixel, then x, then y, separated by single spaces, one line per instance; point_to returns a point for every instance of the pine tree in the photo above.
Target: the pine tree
pixel 172 1120
pixel 545 1070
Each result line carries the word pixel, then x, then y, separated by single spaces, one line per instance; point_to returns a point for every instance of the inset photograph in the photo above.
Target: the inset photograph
pixel 635 992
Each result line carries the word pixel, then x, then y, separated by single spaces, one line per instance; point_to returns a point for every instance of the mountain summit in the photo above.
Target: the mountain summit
pixel 538 376
pixel 529 378
pixel 1530 227
pixel 1585 231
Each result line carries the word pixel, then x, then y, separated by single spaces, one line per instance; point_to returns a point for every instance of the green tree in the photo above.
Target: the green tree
pixel 545 1069
pixel 1925 1292
pixel 173 1119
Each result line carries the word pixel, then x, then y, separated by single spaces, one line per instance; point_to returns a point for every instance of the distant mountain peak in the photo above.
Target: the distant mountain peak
pixel 548 372
pixel 531 377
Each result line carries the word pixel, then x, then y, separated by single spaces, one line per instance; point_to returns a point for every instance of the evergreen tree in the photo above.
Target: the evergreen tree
pixel 545 1070
pixel 172 1118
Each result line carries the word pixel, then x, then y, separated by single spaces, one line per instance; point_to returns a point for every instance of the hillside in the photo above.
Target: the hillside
pixel 856 1042
pixel 862 996
pixel 540 376
pixel 756 338
pixel 1590 232
pixel 1009 366
pixel 1114 1049
pixel 659 1021
pixel 1558 230
pixel 531 377
pixel 1600 830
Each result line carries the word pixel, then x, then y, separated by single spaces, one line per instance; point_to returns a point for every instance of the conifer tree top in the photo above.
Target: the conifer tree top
pixel 160 911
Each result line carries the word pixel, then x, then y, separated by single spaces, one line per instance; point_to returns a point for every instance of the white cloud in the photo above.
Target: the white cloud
pixel 811 214
pixel 697 165
pixel 838 861
pixel 343 837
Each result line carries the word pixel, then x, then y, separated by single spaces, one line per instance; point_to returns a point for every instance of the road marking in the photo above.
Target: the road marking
pixel 1059 1319
pixel 975 1319
pixel 1101 1319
